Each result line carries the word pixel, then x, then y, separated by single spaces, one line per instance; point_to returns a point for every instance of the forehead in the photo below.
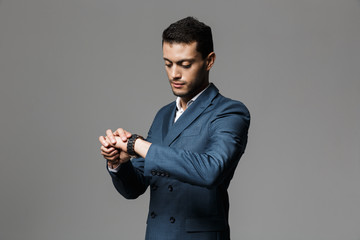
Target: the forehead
pixel 178 51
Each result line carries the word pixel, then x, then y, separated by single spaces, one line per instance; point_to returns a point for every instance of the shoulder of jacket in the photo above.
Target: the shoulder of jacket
pixel 225 104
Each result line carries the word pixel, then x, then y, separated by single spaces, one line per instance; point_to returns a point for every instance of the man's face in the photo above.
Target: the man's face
pixel 186 70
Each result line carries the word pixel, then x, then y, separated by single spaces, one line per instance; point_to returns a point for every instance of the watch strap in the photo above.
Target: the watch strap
pixel 131 144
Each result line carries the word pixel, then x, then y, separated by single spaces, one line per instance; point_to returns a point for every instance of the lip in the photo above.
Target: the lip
pixel 177 85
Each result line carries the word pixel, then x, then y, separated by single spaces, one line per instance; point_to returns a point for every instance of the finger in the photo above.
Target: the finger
pixel 115 152
pixel 128 134
pixel 121 133
pixel 108 141
pixel 110 154
pixel 108 149
pixel 111 136
pixel 103 141
pixel 114 158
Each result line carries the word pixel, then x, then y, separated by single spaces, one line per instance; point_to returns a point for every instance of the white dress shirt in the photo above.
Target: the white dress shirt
pixel 179 110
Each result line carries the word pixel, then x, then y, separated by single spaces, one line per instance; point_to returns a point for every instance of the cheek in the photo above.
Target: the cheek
pixel 196 75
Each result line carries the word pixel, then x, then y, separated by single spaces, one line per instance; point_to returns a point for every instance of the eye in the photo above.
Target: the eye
pixel 168 65
pixel 186 66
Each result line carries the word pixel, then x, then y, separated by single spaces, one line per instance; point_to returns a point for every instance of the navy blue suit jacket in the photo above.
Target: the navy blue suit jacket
pixel 189 167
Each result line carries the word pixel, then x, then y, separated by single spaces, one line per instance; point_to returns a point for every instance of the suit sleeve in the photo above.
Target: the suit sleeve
pixel 227 133
pixel 129 180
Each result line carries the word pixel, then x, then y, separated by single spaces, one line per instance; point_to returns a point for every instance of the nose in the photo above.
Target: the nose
pixel 175 73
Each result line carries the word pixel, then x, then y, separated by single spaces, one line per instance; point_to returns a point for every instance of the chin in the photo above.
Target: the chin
pixel 178 93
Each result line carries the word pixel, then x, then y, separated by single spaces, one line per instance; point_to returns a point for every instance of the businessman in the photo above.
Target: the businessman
pixel 192 149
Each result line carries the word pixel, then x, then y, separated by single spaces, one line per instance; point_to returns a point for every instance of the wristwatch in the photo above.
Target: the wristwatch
pixel 131 144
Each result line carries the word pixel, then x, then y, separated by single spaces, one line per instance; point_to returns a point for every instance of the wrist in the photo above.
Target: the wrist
pixel 142 147
pixel 114 164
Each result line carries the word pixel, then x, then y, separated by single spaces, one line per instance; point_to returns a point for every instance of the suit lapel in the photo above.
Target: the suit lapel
pixel 168 120
pixel 190 114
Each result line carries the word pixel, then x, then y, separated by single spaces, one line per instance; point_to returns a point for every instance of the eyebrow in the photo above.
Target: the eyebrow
pixel 181 61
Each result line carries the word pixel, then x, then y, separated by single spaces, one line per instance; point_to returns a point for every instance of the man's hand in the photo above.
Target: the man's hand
pixel 121 133
pixel 114 156
pixel 121 137
pixel 114 147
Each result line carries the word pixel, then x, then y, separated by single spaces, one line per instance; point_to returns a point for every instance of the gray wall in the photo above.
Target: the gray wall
pixel 71 69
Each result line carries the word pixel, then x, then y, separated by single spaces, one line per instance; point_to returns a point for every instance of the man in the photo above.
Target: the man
pixel 192 148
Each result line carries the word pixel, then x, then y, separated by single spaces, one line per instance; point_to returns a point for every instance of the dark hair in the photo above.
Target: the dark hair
pixel 189 30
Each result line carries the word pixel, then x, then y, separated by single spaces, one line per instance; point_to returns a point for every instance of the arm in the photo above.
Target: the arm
pixel 129 180
pixel 128 176
pixel 226 143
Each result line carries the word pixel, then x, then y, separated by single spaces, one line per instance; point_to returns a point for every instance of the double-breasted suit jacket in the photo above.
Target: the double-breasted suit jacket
pixel 188 168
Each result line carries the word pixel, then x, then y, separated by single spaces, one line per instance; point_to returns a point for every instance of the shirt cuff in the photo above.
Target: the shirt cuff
pixel 114 170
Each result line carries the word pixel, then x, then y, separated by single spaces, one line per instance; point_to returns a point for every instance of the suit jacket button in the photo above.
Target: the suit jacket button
pixel 154 187
pixel 158 173
pixel 170 188
pixel 172 219
pixel 167 175
pixel 153 172
pixel 153 214
pixel 163 174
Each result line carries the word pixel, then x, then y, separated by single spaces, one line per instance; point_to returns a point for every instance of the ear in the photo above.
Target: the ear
pixel 210 59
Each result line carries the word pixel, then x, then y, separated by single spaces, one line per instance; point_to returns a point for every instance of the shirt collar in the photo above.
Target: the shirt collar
pixel 178 105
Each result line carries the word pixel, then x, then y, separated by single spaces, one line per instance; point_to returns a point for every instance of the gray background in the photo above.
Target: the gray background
pixel 70 69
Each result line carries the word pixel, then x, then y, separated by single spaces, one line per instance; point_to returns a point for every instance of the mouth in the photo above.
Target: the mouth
pixel 177 84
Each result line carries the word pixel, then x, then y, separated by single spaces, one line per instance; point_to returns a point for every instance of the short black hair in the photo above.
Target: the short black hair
pixel 189 30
